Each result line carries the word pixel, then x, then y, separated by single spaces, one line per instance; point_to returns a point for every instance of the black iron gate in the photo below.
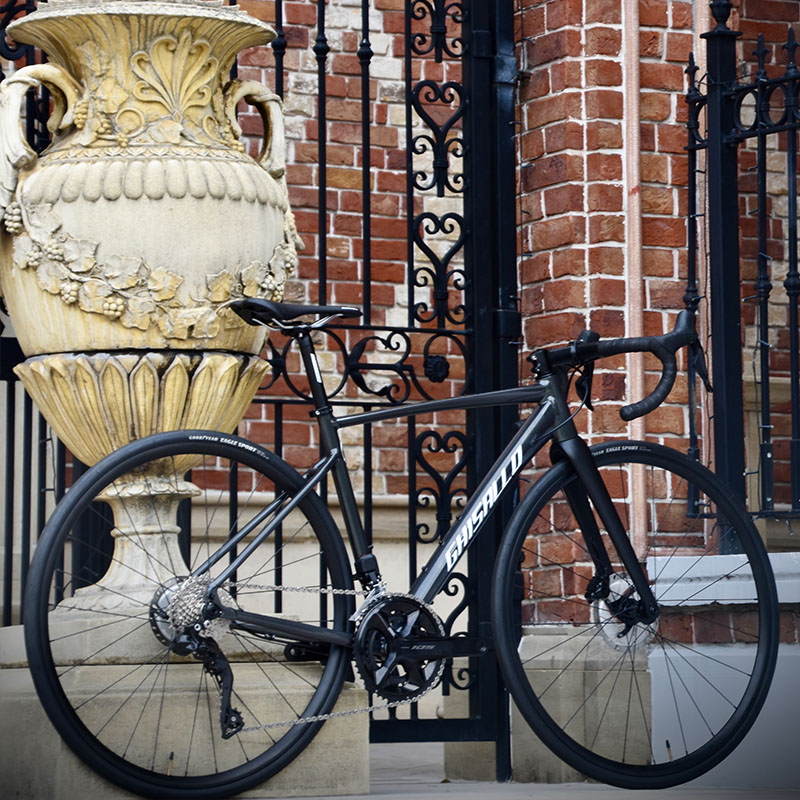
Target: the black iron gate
pixel 461 324
pixel 462 320
pixel 745 121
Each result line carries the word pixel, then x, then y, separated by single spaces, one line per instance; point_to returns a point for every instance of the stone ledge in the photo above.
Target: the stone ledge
pixel 35 764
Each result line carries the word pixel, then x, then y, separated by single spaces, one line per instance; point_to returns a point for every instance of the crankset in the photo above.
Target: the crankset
pixel 396 646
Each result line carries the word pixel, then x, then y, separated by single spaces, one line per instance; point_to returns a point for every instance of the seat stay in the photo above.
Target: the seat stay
pixel 312 478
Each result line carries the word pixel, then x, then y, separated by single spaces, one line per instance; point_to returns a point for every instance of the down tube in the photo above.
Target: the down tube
pixel 530 438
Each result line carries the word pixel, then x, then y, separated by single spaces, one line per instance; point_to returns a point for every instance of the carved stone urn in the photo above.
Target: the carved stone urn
pixel 124 241
pixel 141 220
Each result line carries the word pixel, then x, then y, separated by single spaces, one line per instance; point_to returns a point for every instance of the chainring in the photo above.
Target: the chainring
pixel 384 623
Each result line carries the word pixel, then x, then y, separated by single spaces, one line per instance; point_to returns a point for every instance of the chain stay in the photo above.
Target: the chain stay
pixel 377 591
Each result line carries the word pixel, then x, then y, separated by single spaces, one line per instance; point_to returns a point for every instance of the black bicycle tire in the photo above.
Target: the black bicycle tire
pixel 629 776
pixel 51 694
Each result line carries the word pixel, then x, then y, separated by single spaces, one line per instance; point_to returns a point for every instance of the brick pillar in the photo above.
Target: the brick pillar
pixel 574 213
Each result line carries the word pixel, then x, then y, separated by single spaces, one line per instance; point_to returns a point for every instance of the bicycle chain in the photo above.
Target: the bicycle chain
pixel 378 591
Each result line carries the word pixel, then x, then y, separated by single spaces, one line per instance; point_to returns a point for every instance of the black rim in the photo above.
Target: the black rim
pixel 723 739
pixel 287 742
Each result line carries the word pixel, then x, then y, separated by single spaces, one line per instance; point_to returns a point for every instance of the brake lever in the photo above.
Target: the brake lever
pixel 583 383
pixel 698 360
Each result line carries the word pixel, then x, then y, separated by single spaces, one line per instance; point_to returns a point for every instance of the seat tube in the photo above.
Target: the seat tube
pixel 329 438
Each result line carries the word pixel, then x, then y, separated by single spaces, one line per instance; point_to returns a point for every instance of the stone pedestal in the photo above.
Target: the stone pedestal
pixel 35 763
pixel 466 761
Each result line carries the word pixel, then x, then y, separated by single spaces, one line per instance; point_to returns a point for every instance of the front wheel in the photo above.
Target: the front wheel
pixel 142 682
pixel 633 703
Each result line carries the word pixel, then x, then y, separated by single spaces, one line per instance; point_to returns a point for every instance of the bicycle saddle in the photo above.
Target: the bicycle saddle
pixel 258 311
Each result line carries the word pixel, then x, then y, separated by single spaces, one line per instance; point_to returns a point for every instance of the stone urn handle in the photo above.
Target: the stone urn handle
pixel 273 150
pixel 15 152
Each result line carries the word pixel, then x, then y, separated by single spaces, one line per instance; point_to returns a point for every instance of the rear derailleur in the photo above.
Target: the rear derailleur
pixel 168 612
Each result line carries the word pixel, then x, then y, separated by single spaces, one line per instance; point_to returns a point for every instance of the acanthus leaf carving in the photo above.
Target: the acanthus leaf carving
pixel 80 254
pixel 163 284
pixel 138 313
pixel 176 323
pixel 206 325
pixel 220 286
pixel 50 275
pixel 110 96
pixel 124 272
pixel 40 222
pixel 176 74
pixel 166 131
pixel 252 278
pixel 92 295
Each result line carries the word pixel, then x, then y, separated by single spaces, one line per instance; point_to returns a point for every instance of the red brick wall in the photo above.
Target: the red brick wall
pixel 574 213
pixel 343 225
pixel 575 216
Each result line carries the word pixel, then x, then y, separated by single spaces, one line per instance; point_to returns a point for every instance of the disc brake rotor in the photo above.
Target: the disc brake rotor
pixel 616 615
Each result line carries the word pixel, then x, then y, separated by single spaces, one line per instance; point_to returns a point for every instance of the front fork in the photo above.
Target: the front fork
pixel 590 486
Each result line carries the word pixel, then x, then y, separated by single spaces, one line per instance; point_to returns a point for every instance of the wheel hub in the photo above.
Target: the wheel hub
pixel 619 616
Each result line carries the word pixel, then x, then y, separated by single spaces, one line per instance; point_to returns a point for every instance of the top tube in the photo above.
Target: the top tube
pixel 516 396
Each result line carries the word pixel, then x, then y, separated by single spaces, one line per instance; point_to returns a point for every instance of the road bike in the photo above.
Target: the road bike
pixel 634 612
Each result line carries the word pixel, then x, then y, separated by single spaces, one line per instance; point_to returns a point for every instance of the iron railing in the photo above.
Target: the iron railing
pixel 743 124
pixel 462 323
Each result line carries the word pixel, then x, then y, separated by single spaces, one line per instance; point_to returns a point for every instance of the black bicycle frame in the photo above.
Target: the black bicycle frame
pixel 550 420
pixel 529 439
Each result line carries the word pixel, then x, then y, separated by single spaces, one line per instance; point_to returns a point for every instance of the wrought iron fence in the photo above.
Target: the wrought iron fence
pixel 459 324
pixel 747 125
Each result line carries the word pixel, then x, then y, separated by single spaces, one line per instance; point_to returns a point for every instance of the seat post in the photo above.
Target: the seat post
pixel 311 367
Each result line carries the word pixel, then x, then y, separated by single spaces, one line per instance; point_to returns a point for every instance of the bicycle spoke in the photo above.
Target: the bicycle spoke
pixel 592 668
pixel 138 668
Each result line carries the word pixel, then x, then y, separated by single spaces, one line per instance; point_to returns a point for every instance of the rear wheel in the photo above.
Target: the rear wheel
pixel 133 671
pixel 623 701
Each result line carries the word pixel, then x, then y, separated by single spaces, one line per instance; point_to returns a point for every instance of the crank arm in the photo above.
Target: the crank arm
pixel 435 648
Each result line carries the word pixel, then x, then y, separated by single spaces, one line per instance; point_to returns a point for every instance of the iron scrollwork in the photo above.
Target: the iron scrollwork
pixel 767 105
pixel 439 12
pixel 696 101
pixel 444 495
pixel 764 104
pixel 438 275
pixel 8 13
pixel 460 677
pixel 395 342
pixel 403 378
pixel 440 143
pixel 37 109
